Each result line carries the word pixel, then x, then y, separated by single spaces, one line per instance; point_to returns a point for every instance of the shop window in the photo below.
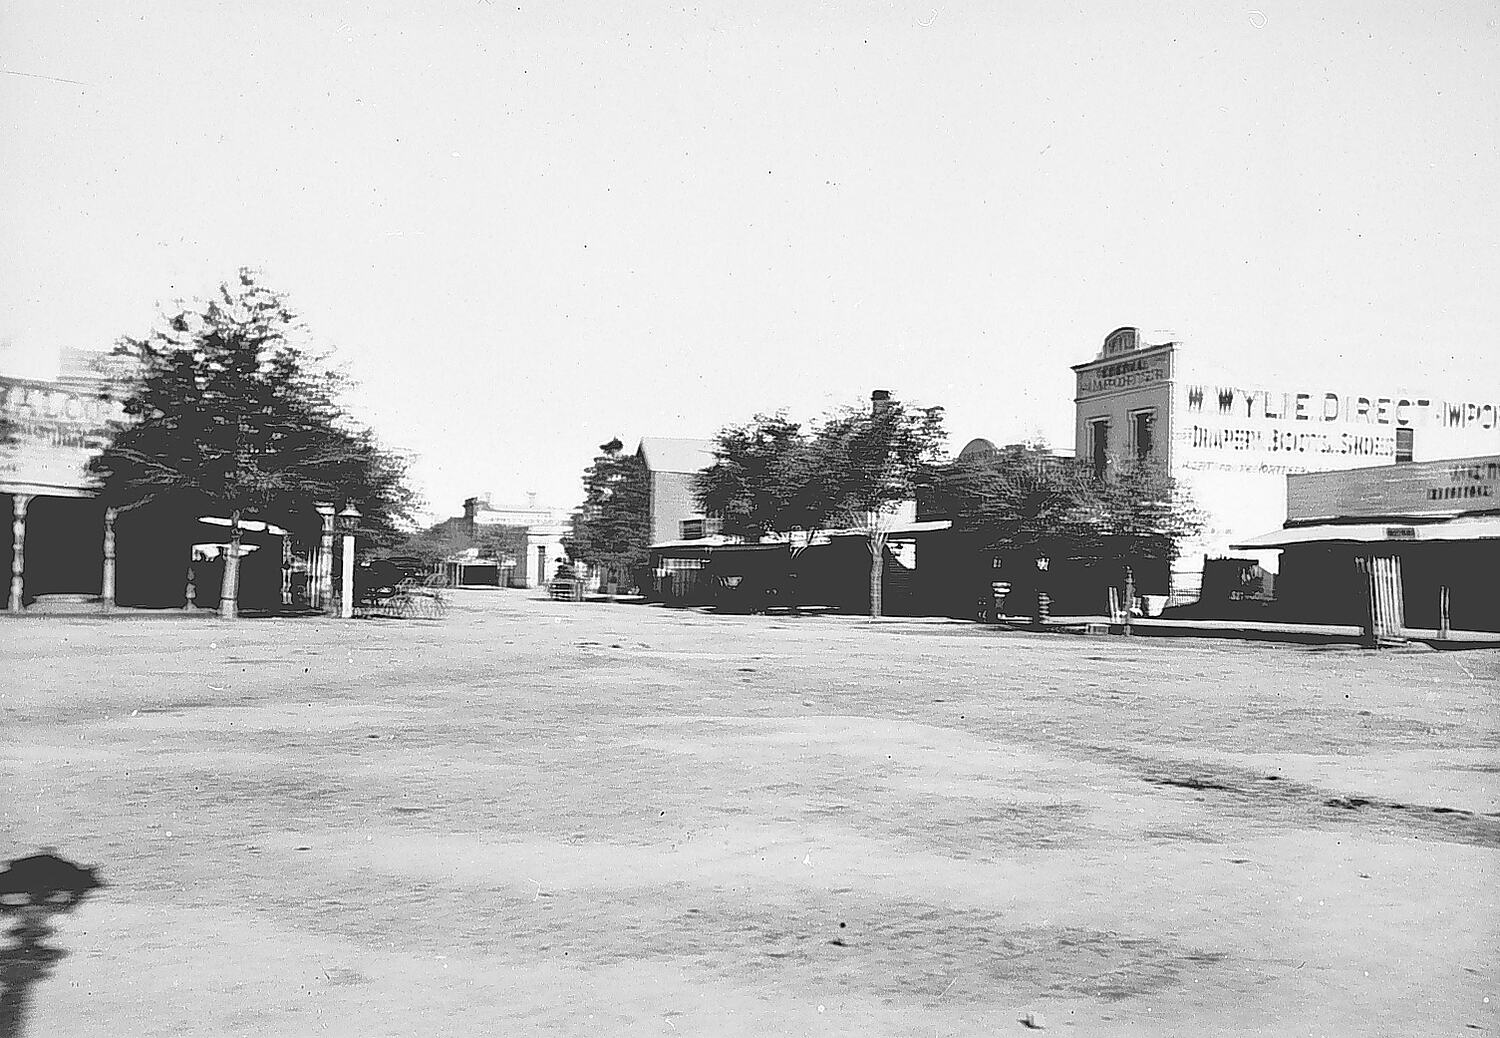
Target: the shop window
pixel 1142 428
pixel 1404 439
pixel 1099 445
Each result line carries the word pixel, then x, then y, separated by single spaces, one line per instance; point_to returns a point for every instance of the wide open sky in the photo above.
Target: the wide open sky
pixel 530 227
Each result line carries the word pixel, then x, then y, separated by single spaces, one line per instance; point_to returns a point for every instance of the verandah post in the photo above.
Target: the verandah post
pixel 107 582
pixel 18 551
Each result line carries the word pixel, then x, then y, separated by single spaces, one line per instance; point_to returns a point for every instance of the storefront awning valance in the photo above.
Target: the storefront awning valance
pixel 248 525
pixel 1465 528
pixel 897 531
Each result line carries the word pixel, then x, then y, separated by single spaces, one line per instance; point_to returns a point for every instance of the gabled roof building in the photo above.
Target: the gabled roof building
pixel 671 464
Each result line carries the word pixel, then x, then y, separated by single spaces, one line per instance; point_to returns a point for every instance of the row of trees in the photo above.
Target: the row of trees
pixel 773 476
pixel 231 413
pixel 853 469
pixel 1032 505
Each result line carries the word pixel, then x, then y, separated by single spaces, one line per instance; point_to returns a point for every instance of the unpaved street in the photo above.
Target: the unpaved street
pixel 556 819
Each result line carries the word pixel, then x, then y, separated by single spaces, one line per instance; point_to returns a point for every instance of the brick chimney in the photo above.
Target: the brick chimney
pixel 880 401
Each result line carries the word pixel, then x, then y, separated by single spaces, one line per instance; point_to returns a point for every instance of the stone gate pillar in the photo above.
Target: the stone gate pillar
pixel 323 598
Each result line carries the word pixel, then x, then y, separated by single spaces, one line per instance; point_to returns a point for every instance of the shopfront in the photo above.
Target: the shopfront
pixel 1431 528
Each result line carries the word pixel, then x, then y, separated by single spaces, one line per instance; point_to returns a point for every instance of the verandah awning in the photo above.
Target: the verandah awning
pixel 1465 528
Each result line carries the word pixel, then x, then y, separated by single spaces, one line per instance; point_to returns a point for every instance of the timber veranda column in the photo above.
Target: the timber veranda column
pixel 286 569
pixel 18 550
pixel 107 585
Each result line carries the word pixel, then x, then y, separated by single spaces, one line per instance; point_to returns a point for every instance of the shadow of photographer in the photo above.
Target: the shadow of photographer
pixel 34 890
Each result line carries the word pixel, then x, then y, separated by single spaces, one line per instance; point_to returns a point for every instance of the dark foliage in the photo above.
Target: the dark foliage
pixel 228 414
pixel 763 479
pixel 612 528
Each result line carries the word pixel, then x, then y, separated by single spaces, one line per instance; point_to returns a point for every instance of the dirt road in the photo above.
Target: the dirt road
pixel 559 819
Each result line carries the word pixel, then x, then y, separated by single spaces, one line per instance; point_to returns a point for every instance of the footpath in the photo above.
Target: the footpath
pixel 1093 626
pixel 1241 629
pixel 1261 630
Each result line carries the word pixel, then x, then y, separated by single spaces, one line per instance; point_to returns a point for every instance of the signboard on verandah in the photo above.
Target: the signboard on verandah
pixel 54 430
pixel 1422 489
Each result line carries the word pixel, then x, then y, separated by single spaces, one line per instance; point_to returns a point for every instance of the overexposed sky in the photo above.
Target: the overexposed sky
pixel 530 227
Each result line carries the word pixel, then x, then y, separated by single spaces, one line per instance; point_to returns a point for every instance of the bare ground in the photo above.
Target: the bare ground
pixel 539 818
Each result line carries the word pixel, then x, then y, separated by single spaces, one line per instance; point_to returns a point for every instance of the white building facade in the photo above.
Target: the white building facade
pixel 1232 446
pixel 545 527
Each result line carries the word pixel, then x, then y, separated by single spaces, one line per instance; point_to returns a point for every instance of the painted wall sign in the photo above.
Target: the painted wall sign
pixel 1128 373
pixel 1322 407
pixel 1417 489
pixel 1239 429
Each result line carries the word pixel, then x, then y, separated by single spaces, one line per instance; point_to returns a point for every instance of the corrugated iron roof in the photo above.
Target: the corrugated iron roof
pixel 1467 528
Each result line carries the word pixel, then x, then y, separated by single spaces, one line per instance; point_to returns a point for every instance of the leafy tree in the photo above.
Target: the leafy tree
pixel 612 528
pixel 1024 500
pixel 868 463
pixel 451 537
pixel 1138 516
pixel 767 478
pixel 433 544
pixel 1032 504
pixel 228 413
pixel 357 468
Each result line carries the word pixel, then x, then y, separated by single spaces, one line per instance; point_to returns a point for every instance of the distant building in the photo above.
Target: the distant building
pixel 671 465
pixel 480 511
pixel 545 529
pixel 1232 446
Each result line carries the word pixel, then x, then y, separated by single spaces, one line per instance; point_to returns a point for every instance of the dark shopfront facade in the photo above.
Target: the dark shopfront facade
pixel 66 549
pixel 61 544
pixel 1432 530
pixel 832 574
